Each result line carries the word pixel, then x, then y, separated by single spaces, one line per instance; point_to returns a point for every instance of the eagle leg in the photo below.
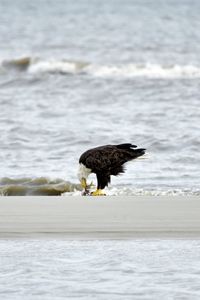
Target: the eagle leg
pixel 98 192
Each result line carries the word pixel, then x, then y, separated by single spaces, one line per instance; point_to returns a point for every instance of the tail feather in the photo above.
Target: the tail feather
pixel 129 148
pixel 138 152
pixel 126 146
pixel 134 153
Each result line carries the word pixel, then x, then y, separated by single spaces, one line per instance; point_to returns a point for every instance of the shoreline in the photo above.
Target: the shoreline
pixel 111 217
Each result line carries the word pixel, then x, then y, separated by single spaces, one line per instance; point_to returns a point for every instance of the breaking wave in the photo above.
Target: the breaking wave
pixel 38 66
pixel 43 186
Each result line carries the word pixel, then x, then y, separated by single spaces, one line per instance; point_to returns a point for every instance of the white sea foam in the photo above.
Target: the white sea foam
pixel 148 70
pixel 127 191
pixel 116 71
pixel 130 70
pixel 53 67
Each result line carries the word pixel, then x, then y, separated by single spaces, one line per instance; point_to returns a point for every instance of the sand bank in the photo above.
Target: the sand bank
pixel 100 217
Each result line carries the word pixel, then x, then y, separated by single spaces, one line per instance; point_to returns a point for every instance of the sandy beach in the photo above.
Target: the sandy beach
pixel 100 217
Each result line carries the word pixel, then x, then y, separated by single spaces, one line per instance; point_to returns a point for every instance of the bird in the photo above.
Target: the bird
pixel 105 161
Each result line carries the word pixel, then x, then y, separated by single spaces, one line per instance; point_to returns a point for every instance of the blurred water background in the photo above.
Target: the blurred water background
pixel 78 74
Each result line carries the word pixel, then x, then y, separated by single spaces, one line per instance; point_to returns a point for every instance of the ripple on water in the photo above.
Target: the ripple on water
pixel 136 269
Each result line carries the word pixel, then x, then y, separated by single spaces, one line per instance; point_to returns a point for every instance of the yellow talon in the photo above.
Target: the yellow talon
pixel 98 192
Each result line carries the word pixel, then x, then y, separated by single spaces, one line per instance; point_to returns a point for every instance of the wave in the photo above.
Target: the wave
pixel 37 66
pixel 20 64
pixel 43 186
pixel 147 70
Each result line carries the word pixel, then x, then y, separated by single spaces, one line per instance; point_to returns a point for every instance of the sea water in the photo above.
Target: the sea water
pixel 62 269
pixel 78 74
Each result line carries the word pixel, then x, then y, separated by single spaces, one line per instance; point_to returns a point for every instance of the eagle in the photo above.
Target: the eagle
pixel 105 161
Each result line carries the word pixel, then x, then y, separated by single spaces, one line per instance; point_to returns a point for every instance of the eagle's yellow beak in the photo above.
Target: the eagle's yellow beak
pixel 83 183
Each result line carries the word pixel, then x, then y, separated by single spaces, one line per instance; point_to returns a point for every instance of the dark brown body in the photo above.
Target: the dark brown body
pixel 108 160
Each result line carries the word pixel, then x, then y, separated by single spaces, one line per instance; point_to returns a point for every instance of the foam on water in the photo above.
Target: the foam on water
pixel 146 70
pixel 43 186
pixel 127 191
pixel 151 70
pixel 53 66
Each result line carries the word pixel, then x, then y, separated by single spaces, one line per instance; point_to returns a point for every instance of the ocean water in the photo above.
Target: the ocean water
pixel 62 269
pixel 78 74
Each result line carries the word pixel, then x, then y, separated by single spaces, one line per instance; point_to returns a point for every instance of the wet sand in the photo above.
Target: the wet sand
pixel 100 217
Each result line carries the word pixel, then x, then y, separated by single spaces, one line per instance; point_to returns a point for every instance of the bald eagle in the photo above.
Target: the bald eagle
pixel 105 161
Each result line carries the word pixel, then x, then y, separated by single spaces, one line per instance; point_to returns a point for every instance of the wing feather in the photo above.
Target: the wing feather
pixel 110 158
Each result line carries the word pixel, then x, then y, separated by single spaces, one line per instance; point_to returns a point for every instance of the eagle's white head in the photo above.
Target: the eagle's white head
pixel 83 173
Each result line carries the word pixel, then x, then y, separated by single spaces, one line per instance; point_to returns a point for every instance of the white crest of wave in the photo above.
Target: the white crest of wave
pixel 115 71
pixel 146 70
pixel 56 66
